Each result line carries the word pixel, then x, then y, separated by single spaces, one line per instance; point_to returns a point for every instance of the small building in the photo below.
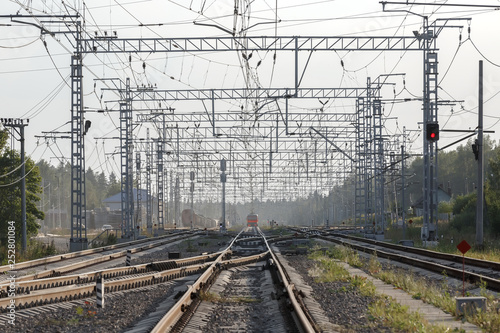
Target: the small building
pixel 111 214
pixel 442 196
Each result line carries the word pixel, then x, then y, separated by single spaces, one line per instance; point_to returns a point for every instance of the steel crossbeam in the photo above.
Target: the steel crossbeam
pixel 152 94
pixel 203 120
pixel 250 43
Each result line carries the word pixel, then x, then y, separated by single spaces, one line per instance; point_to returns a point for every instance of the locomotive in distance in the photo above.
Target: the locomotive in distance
pixel 252 220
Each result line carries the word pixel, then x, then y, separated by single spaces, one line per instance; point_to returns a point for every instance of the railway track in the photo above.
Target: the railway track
pixel 476 270
pixel 37 292
pixel 180 317
pixel 191 278
pixel 63 264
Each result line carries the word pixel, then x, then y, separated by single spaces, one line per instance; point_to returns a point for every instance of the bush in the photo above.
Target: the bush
pixel 464 203
pixel 464 210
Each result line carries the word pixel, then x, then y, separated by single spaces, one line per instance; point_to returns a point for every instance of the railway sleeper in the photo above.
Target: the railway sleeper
pixel 130 285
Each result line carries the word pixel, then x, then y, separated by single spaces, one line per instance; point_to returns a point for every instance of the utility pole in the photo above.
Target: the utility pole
pixel 19 125
pixel 480 163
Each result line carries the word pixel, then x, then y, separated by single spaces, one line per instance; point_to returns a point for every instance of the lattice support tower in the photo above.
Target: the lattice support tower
pixel 360 175
pixel 138 170
pixel 149 169
pixel 379 169
pixel 160 170
pixel 159 182
pixel 78 240
pixel 369 167
pixel 430 110
pixel 177 202
pixel 126 165
pixel 171 207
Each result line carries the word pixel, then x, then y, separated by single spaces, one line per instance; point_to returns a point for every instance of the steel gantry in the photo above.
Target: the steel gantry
pixel 296 44
pixel 192 144
pixel 83 44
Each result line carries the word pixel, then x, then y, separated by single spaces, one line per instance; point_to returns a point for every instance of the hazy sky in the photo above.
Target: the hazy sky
pixel 34 78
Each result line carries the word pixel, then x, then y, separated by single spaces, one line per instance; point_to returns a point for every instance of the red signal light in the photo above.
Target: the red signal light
pixel 432 132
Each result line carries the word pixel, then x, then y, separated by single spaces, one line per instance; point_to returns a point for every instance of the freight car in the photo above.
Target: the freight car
pixel 199 221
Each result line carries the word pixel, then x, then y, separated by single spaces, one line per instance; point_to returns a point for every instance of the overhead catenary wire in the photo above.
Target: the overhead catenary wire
pixel 25 175
pixel 183 77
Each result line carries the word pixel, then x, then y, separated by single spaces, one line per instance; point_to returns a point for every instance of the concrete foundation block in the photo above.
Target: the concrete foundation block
pixel 469 305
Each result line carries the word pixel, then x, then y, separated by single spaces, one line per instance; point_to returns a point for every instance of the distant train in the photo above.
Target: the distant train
pixel 252 220
pixel 199 221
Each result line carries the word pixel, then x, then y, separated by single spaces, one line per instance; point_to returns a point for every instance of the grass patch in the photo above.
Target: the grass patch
pixel 420 288
pixel 188 244
pixel 390 313
pixel 70 322
pixel 34 250
pixel 104 240
pixel 448 243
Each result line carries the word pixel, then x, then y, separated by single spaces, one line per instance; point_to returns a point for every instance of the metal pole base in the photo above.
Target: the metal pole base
pixel 78 244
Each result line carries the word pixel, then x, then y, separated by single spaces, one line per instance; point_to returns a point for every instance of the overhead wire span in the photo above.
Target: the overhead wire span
pixel 19 46
pixel 482 55
pixel 20 165
pixel 26 174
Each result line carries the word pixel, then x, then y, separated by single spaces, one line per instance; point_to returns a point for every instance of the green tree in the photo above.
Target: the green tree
pixel 10 191
pixel 114 186
pixel 464 211
pixel 492 194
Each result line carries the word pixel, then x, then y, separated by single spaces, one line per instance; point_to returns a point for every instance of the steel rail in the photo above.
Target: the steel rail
pixel 434 254
pixel 70 292
pixel 306 324
pixel 52 259
pixel 175 313
pixel 492 283
pixel 54 282
pixel 85 263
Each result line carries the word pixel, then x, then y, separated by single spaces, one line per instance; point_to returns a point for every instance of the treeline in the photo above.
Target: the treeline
pixel 56 183
pixel 10 193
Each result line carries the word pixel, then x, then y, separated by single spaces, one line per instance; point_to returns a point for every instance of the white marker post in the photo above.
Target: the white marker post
pixel 129 258
pixel 99 290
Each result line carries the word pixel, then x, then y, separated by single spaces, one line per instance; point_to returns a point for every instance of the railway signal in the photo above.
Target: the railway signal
pixel 475 149
pixel 432 132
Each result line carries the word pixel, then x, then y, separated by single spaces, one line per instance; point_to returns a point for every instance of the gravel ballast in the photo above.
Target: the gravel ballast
pixel 343 304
